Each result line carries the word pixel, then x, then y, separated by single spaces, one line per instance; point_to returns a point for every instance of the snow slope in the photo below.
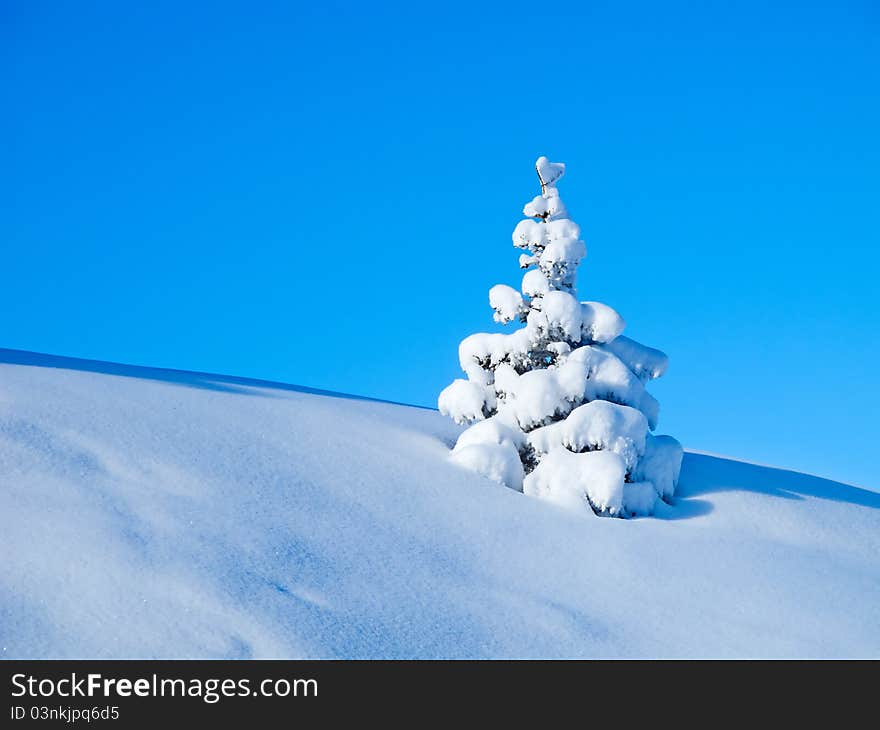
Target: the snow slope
pixel 155 513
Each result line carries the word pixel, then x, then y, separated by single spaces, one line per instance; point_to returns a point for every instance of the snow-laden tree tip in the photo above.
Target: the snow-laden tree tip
pixel 549 172
pixel 559 406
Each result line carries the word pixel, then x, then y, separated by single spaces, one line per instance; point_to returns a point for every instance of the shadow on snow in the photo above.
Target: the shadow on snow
pixel 703 475
pixel 206 381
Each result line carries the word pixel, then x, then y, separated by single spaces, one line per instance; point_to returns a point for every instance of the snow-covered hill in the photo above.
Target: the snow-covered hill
pixel 155 513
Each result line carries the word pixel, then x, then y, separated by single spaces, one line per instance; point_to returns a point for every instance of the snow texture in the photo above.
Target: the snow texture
pixel 661 464
pixel 492 431
pixel 498 462
pixel 601 323
pixel 567 378
pixel 646 362
pixel 156 513
pixel 571 480
pixel 507 303
pixel 463 401
pixel 597 425
pixel 639 498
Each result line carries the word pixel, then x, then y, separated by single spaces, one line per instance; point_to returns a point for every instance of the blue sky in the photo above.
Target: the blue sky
pixel 323 193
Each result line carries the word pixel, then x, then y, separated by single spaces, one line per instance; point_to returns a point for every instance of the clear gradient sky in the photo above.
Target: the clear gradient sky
pixel 323 193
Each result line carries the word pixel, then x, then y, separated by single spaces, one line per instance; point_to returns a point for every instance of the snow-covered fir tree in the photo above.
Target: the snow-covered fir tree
pixel 559 407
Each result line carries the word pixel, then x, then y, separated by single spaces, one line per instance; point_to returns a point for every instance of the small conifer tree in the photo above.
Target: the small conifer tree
pixel 559 407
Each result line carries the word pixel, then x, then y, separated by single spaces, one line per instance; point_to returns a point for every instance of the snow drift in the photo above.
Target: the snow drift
pixel 155 513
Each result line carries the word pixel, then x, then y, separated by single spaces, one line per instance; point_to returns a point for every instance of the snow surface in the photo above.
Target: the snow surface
pixel 155 513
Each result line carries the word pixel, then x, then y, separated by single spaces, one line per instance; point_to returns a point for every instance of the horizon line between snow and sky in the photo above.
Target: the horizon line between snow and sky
pixel 303 195
pixel 223 381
